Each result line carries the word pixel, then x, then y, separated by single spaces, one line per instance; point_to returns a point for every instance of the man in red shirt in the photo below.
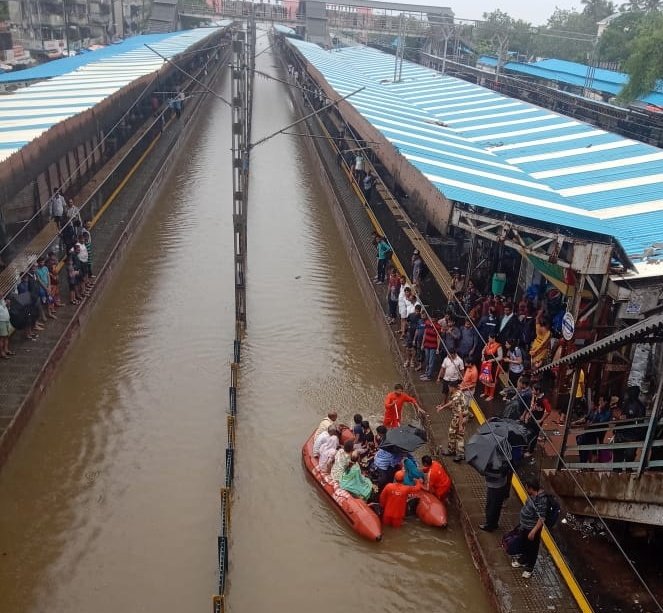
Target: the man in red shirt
pixel 438 481
pixel 430 345
pixel 393 406
pixel 393 500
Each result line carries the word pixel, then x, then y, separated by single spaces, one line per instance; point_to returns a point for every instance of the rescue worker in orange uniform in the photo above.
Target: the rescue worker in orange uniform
pixel 393 406
pixel 393 500
pixel 438 480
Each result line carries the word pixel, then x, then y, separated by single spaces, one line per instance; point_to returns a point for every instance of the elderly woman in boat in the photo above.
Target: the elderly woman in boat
pixel 353 481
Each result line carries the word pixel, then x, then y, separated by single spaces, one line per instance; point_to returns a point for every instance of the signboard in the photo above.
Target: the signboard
pixel 568 326
pixel 633 307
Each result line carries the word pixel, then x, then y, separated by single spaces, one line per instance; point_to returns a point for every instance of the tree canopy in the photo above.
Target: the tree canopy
pixel 645 61
pixel 634 39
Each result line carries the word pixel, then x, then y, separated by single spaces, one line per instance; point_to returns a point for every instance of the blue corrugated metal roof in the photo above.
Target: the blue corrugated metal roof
pixel 479 147
pixel 64 65
pixel 28 112
pixel 572 73
pixel 285 30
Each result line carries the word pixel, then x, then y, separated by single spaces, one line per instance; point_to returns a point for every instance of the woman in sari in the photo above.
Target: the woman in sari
pixel 354 482
pixel 491 356
pixel 540 350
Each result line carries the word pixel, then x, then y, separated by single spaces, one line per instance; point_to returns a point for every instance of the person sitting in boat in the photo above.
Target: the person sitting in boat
pixel 393 500
pixel 438 481
pixel 380 435
pixel 385 465
pixel 325 423
pixel 322 438
pixel 341 460
pixel 354 482
pixel 327 453
pixel 412 472
pixel 357 430
pixel 367 438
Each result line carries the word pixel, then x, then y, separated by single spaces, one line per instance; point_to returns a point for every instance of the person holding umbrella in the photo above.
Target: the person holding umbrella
pixel 498 483
pixel 459 414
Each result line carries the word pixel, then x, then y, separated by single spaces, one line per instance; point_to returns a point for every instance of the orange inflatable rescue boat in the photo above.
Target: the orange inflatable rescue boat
pixel 355 511
pixel 430 510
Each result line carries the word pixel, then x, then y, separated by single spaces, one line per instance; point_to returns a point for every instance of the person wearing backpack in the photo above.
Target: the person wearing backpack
pixel 539 509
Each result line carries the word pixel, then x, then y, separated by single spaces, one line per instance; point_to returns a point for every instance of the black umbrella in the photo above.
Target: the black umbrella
pixel 405 438
pixel 492 443
pixel 511 429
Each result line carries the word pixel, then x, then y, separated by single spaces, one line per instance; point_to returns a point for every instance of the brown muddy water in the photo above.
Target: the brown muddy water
pixel 110 501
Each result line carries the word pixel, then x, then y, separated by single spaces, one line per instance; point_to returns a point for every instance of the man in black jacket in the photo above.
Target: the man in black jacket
pixel 509 326
pixel 498 484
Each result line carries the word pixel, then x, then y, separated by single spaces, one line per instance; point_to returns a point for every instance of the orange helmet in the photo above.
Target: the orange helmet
pixel 399 476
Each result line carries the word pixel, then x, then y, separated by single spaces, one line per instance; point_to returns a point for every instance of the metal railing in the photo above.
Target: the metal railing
pixel 628 449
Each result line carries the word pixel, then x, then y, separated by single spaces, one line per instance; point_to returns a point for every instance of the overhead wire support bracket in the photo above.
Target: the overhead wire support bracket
pixel 203 85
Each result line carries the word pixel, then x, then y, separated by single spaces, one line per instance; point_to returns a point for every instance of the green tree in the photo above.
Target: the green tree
pixel 499 31
pixel 616 42
pixel 645 63
pixel 4 10
pixel 597 9
pixel 644 6
pixel 568 35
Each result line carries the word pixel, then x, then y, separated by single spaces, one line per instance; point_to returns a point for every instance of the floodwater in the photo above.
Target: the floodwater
pixel 110 501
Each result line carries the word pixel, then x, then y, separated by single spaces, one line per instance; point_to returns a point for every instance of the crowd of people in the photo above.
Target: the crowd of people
pixel 38 293
pixel 381 476
pixel 483 343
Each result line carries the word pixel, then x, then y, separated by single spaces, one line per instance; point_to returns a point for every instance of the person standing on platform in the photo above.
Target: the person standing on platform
pixel 56 204
pixel 358 170
pixel 532 518
pixel 393 291
pixel 384 255
pixel 367 186
pixel 393 500
pixel 430 344
pixel 459 414
pixel 498 483
pixel 470 377
pixel 393 406
pixel 452 369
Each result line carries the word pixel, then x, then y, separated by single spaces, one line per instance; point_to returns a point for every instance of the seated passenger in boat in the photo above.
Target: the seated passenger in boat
pixel 325 423
pixel 357 430
pixel 385 465
pixel 354 482
pixel 393 500
pixel 438 481
pixel 341 460
pixel 380 434
pixel 367 438
pixel 412 472
pixel 327 453
pixel 322 438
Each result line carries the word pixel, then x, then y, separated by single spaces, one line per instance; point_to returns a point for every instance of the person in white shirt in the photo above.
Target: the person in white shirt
pixel 452 369
pixel 332 416
pixel 322 438
pixel 72 214
pixel 56 204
